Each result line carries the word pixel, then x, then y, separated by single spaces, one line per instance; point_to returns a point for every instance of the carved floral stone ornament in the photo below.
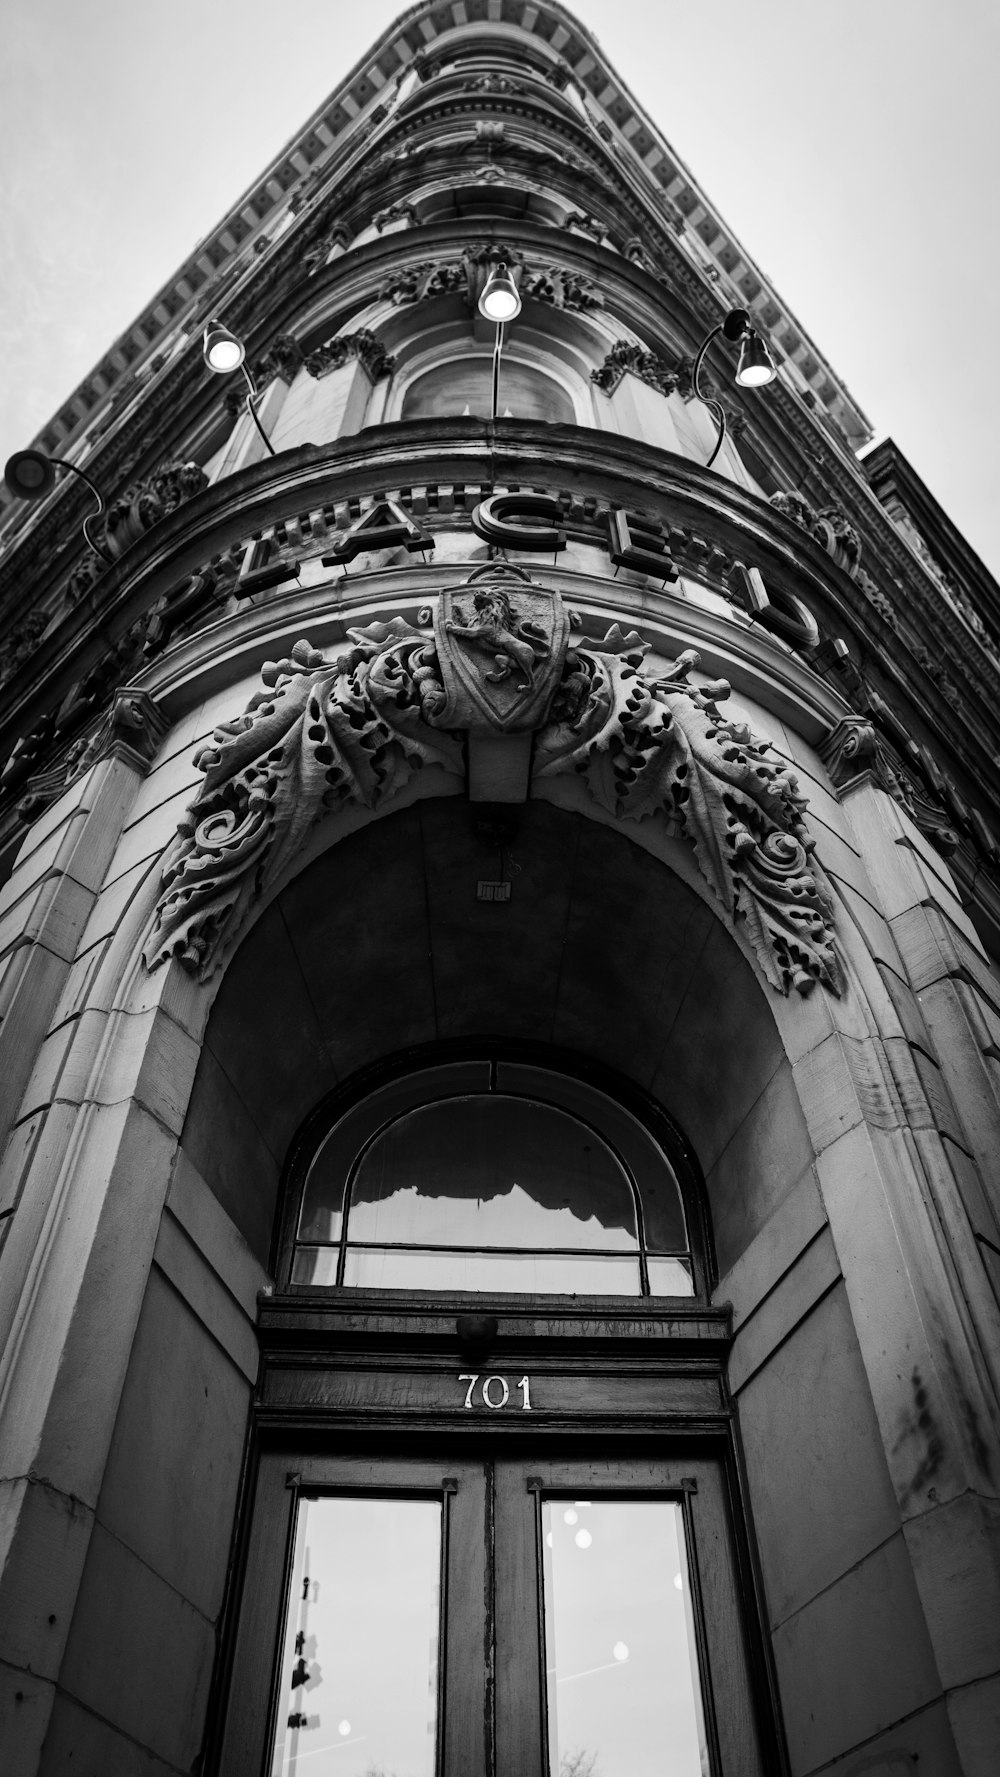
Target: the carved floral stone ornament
pixel 325 735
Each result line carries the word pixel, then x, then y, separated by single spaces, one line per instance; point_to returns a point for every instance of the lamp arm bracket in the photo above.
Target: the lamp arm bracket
pixel 714 407
pixel 252 408
pixel 97 547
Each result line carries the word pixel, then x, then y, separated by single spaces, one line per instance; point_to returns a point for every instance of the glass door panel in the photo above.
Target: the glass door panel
pixel 359 1689
pixel 622 1679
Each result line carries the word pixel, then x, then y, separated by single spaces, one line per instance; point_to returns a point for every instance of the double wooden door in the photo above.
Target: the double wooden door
pixel 502 1613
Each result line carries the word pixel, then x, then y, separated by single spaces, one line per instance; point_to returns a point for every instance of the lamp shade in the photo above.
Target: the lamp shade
pixel 756 366
pixel 29 474
pixel 223 351
pixel 500 300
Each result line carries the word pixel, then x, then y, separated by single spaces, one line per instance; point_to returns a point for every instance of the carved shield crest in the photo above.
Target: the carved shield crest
pixel 501 641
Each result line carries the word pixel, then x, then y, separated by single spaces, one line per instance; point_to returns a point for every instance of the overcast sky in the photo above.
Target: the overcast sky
pixel 853 146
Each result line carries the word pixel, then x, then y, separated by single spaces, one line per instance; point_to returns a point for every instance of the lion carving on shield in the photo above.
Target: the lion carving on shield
pixel 515 643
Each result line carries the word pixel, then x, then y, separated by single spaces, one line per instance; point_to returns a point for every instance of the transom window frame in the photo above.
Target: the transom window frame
pixel 653 1121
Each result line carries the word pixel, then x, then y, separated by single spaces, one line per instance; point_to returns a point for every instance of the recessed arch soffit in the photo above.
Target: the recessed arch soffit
pixel 597 973
pixel 497 677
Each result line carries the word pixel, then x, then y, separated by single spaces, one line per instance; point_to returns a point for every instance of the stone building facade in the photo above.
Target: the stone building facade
pixel 499 1008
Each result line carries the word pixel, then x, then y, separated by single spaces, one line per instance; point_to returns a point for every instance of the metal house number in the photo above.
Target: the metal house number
pixel 495 1391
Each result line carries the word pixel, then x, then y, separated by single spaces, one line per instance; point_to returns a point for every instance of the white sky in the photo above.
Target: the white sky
pixel 853 146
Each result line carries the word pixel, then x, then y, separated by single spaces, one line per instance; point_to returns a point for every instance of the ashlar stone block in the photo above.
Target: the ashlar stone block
pixel 910 1317
pixel 955 1552
pixel 902 867
pixel 25 1713
pixel 78 1740
pixel 829 1502
pixel 44 1537
pixel 782 1239
pixel 920 1745
pixel 170 1486
pixel 815 1273
pixel 855 1660
pixel 974 1712
pixel 215 1235
pixel 139 1655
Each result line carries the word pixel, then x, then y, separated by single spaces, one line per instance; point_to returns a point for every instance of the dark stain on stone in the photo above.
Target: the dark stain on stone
pixel 920 1425
pixel 970 1419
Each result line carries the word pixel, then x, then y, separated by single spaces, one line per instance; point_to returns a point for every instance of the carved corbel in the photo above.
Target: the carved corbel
pixel 365 346
pixel 318 252
pixel 401 212
pixel 283 358
pixel 854 750
pixel 625 356
pixel 635 250
pixel 851 749
pixel 19 644
pixel 134 512
pixel 132 731
pixel 831 528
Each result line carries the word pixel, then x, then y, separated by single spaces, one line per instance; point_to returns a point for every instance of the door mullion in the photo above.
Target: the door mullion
pixel 466 1620
pixel 520 1675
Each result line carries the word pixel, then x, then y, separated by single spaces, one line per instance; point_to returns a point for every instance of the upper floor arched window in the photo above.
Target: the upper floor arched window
pixel 465 385
pixel 493 1175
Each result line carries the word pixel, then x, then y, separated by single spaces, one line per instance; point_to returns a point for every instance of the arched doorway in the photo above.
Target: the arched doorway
pixel 422 1402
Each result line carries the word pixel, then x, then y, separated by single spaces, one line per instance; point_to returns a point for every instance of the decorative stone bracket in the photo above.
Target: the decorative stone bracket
pixel 328 735
pixel 626 355
pixel 285 358
pixel 134 512
pixel 854 748
pixel 132 730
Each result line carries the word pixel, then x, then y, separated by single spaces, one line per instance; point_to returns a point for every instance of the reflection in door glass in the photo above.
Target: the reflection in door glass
pixel 624 1698
pixel 358 1683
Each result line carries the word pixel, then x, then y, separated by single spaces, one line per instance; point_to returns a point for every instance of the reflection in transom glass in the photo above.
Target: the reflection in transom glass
pixel 358 1679
pixel 624 1696
pixel 492 1176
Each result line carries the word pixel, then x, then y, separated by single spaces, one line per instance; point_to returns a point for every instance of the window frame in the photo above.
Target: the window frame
pixel 621 1094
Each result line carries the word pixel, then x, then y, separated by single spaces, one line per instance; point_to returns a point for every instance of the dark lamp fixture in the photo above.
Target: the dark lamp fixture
pixel 30 475
pixel 225 352
pixel 756 366
pixel 500 301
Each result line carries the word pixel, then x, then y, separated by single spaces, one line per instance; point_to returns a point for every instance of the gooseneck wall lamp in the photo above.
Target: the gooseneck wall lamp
pixel 499 303
pixel 755 368
pixel 224 353
pixel 30 474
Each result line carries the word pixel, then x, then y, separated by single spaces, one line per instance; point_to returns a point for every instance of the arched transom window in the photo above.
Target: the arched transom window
pixel 465 386
pixel 492 1175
